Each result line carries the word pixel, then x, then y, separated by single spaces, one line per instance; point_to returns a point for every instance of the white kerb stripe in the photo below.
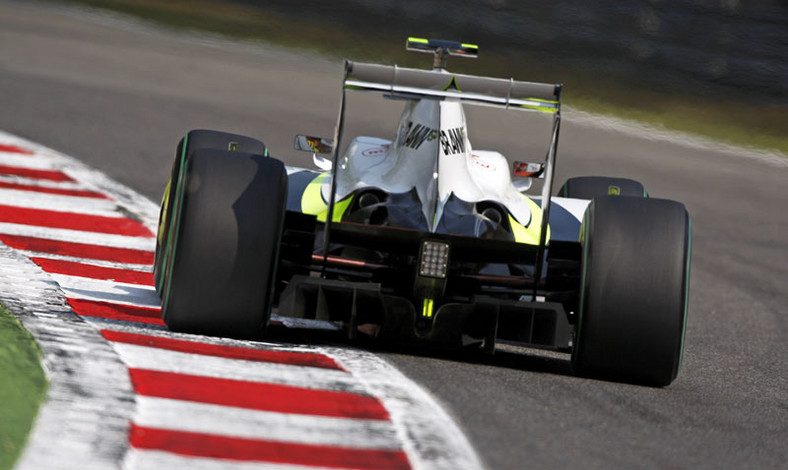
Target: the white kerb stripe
pixel 145 268
pixel 60 203
pixel 32 162
pixel 107 291
pixel 247 344
pixel 79 236
pixel 163 360
pixel 187 416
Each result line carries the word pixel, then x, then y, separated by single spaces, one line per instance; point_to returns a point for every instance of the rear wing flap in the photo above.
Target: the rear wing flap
pixel 530 96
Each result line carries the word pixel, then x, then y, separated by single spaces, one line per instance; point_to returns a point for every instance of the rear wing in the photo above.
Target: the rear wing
pixel 417 83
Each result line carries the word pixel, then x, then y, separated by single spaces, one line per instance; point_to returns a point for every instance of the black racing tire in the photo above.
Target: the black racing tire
pixel 227 234
pixel 589 187
pixel 634 290
pixel 193 140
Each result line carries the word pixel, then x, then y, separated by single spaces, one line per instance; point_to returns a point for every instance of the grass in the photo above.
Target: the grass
pixel 733 121
pixel 22 387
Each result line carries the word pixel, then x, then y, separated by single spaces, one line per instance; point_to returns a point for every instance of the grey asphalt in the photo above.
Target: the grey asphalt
pixel 119 95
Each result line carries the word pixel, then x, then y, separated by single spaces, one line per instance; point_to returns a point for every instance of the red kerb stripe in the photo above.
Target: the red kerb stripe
pixel 256 396
pixel 72 268
pixel 228 352
pixel 243 449
pixel 8 148
pixel 48 190
pixel 49 175
pixel 92 308
pixel 72 221
pixel 78 250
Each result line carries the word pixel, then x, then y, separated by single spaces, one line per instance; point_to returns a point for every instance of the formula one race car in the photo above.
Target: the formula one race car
pixel 424 238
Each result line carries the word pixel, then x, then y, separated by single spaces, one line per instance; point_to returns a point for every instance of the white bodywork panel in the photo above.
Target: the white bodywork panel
pixel 431 154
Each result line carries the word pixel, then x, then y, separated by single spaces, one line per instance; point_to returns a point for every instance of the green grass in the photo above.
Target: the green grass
pixel 733 121
pixel 22 387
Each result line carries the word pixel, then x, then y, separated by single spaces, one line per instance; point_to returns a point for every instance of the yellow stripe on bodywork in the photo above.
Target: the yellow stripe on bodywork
pixel 426 309
pixel 530 234
pixel 312 202
pixel 312 199
pixel 547 107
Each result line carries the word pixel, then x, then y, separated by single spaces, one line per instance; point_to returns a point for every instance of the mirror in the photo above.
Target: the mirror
pixel 315 145
pixel 527 170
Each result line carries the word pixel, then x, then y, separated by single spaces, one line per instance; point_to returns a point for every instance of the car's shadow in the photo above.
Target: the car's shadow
pixel 505 356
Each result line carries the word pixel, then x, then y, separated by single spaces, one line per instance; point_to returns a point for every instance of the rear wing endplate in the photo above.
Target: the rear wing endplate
pixel 417 83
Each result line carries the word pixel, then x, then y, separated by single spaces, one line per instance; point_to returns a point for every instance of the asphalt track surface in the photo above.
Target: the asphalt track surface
pixel 118 95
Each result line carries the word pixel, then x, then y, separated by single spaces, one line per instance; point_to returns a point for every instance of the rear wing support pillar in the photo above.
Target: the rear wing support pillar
pixel 339 130
pixel 547 191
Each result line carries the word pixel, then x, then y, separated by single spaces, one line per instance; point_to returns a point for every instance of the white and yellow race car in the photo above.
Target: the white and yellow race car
pixel 421 237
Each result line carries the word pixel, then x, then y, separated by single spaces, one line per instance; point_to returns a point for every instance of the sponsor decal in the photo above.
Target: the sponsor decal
pixel 416 134
pixel 477 160
pixel 375 151
pixel 453 141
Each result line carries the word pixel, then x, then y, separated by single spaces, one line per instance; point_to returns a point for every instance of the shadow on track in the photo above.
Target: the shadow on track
pixel 505 356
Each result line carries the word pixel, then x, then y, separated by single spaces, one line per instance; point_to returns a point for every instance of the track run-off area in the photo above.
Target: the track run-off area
pixel 118 93
pixel 75 267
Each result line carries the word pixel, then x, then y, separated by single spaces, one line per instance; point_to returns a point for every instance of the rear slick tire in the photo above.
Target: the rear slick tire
pixel 634 290
pixel 589 187
pixel 227 235
pixel 194 140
